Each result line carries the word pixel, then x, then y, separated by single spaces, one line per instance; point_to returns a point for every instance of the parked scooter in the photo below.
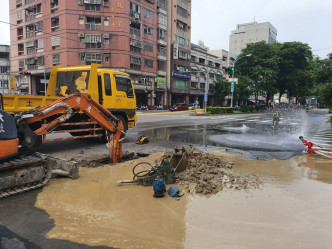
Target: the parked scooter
pixel 159 107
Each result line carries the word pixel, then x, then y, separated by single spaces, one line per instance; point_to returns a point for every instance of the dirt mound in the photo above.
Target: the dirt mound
pixel 208 173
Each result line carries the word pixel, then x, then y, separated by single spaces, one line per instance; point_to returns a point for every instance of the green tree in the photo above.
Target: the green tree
pixel 261 68
pixel 294 69
pixel 222 89
pixel 326 95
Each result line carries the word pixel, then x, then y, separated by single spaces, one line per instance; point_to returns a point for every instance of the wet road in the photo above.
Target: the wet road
pixel 294 205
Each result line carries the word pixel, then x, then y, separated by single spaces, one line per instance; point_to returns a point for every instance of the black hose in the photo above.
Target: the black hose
pixel 145 172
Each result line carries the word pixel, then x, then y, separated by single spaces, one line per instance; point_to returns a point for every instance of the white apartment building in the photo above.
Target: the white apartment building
pixel 250 33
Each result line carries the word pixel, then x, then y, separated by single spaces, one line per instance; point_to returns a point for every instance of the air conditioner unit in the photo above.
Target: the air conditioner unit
pixel 87 1
pixel 80 2
pixel 136 15
pixel 80 35
pixel 106 35
pixel 53 1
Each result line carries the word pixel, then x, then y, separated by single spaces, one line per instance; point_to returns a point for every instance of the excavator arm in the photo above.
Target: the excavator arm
pixel 63 109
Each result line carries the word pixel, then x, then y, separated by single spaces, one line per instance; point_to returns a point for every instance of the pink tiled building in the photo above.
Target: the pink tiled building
pixel 120 34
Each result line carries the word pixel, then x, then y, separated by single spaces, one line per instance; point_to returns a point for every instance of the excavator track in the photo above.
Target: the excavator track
pixel 23 174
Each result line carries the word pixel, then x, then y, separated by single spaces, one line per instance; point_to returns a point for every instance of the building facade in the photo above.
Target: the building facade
pixel 211 67
pixel 4 69
pixel 250 33
pixel 179 37
pixel 121 35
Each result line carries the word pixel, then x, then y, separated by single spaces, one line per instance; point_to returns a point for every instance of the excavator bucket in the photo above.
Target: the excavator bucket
pixel 179 160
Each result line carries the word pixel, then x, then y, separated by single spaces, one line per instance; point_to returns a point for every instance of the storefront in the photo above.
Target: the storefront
pixel 160 91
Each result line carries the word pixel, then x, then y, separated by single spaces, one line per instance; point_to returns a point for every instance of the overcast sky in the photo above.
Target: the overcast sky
pixel 308 21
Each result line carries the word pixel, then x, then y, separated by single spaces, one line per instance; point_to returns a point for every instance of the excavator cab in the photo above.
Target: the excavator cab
pixel 8 136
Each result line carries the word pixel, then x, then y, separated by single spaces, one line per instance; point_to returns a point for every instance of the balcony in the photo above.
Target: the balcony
pixel 93 26
pixel 163 11
pixel 162 42
pixel 29 17
pixel 136 32
pixel 161 73
pixel 161 57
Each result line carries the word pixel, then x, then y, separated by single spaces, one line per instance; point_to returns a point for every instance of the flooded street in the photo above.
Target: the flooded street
pixel 288 206
pixel 290 210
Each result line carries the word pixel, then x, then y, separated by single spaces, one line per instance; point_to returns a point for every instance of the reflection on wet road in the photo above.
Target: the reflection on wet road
pixel 253 136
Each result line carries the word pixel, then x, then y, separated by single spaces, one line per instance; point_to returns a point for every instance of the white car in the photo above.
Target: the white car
pixel 191 106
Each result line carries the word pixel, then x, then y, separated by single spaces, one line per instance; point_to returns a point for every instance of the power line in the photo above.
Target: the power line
pixel 321 49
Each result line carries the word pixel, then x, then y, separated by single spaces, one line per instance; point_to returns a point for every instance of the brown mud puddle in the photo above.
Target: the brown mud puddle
pixel 291 210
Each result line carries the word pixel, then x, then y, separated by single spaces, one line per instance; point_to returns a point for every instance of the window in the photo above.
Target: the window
pixel 162 19
pixel 181 11
pixel 161 66
pixel 106 40
pixel 55 40
pixel 92 41
pixel 55 23
pixel 21 64
pixel 148 47
pixel 149 63
pixel 107 57
pixel 135 10
pixel 55 59
pixel 92 58
pixel 135 28
pixel 135 63
pixel 202 85
pixel 20 48
pixel 181 69
pixel 161 51
pixel 93 23
pixel 181 41
pixel 162 4
pixel 180 84
pixel 19 33
pixel 54 5
pixel 161 34
pixel 135 46
pixel 18 3
pixel 123 83
pixel 183 55
pixel 19 16
pixel 193 85
pixel 107 84
pixel 31 47
pixel 148 30
pixel 92 7
pixel 148 14
pixel 40 45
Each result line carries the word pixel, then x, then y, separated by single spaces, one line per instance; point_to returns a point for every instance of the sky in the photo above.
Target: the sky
pixel 307 21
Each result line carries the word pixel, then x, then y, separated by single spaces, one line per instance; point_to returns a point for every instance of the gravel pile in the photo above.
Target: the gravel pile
pixel 208 173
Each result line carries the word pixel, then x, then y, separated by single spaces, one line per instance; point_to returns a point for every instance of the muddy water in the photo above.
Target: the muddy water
pixel 94 210
pixel 291 210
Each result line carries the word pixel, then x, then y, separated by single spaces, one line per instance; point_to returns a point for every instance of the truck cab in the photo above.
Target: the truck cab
pixel 112 89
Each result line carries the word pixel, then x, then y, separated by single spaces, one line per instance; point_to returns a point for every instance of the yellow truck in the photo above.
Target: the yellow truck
pixel 112 89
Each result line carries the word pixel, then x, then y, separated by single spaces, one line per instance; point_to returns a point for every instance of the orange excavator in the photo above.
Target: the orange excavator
pixel 21 133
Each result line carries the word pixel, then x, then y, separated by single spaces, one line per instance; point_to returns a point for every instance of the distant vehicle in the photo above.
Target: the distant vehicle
pixel 179 107
pixel 191 106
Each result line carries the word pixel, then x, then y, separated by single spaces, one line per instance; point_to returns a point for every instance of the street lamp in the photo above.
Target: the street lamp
pixel 206 89
pixel 233 69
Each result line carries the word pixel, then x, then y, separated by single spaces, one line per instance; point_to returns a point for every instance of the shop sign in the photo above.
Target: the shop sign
pixel 181 75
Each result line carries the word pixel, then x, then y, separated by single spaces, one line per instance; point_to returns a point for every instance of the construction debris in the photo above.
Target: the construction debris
pixel 208 173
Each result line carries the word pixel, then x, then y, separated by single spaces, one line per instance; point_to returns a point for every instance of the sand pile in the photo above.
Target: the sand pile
pixel 208 173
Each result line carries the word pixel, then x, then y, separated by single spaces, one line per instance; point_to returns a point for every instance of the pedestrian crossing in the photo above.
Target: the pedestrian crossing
pixel 323 136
